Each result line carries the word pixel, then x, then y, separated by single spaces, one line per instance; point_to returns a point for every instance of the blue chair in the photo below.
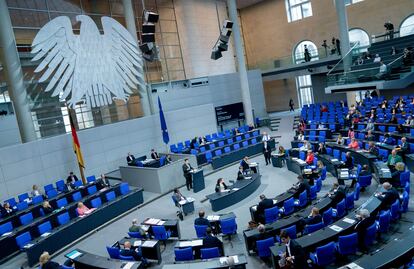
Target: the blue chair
pixel 61 186
pixel 383 222
pixel 238 138
pixel 349 200
pixel 110 196
pixel 135 235
pixel 124 188
pixel 212 146
pixel 184 254
pixel 51 194
pixel 230 141
pixel 383 154
pixel 160 233
pixel 263 247
pixel 324 255
pixel 48 188
pixel 44 227
pixel 209 156
pixel 22 197
pixel 96 203
pixel 221 144
pixel 173 148
pixel 193 152
pixel 187 144
pixel 365 181
pixel 303 199
pixel 343 156
pixel 347 244
pixel 77 196
pixel 26 218
pixel 405 200
pixel 340 209
pixel 253 141
pixel 91 179
pixel 327 216
pixel 288 207
pixel 63 218
pixel 336 154
pixel 245 144
pixel 291 231
pixel 370 233
pixel 12 202
pixel 208 138
pixel 113 252
pixel 6 228
pixel 227 150
pixel 23 239
pixel 323 173
pixel 395 210
pixel 271 214
pixel 236 146
pixel 209 253
pixel 318 184
pixel 201 230
pixel 126 258
pixel 228 227
pixel 313 227
pixel 404 177
pixel 22 206
pixel 61 203
pixel 314 191
pixel 218 152
pixel 202 149
pixel 357 191
pixel 302 155
pixel 92 190
pixel 78 183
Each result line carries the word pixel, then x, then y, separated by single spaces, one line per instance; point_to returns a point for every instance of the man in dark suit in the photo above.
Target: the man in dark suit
pixel 244 163
pixel 364 221
pixel 266 152
pixel 302 185
pixel 295 255
pixel 337 194
pixel 187 174
pixel 388 197
pixel 201 220
pixel 349 162
pixel 70 180
pixel 130 159
pixel 128 252
pixel 211 241
pixel 240 174
pixel 264 203
pixel 404 148
pixel 154 154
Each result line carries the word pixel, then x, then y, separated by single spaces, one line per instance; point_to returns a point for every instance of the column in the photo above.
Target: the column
pixel 345 45
pixel 238 44
pixel 130 23
pixel 14 74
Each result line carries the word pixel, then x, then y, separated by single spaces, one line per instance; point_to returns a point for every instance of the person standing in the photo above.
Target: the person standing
pixel 291 104
pixel 266 152
pixel 306 54
pixel 187 174
pixel 338 46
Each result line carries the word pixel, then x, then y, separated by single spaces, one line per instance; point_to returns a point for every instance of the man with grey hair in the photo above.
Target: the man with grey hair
pixel 388 196
pixel 364 221
pixel 137 228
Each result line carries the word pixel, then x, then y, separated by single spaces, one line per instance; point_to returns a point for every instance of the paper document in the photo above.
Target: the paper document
pixel 161 222
pixel 336 228
pixel 149 243
pixel 334 160
pixel 45 234
pixel 235 258
pixel 182 202
pixel 235 189
pixel 190 199
pixel 137 243
pixel 225 190
pixel 28 245
pixel 6 234
pixel 128 265
pixel 185 244
pixel 197 242
pixel 348 220
pixel 213 218
pixel 353 266
pixel 145 227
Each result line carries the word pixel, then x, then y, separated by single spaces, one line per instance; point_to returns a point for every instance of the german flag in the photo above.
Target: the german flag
pixel 76 145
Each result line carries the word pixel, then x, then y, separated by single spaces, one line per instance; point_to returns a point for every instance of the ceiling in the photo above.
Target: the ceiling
pixel 246 3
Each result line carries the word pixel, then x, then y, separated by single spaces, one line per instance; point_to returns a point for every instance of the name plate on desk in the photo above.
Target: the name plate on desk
pixel 229 260
pixel 353 266
pixel 213 218
pixel 336 228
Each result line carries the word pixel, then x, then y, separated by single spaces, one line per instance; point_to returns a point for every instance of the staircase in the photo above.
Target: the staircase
pixel 274 123
pixel 296 121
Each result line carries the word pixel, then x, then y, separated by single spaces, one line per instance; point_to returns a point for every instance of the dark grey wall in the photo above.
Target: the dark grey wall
pixel 319 82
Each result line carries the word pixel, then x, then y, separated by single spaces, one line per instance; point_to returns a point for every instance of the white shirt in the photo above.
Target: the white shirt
pixel 383 68
pixel 288 248
pixel 377 59
pixel 265 138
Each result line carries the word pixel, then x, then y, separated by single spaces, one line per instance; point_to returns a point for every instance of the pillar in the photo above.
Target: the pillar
pixel 132 29
pixel 14 75
pixel 345 45
pixel 238 44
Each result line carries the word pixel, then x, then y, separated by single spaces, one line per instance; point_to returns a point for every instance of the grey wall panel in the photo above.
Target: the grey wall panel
pixel 9 131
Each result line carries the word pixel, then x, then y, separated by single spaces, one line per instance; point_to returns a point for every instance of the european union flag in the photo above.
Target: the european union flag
pixel 164 130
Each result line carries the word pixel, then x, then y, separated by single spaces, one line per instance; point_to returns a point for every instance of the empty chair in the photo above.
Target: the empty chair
pixel 347 244
pixel 22 197
pixel 135 235
pixel 26 218
pixel 126 258
pixel 44 227
pixel 318 184
pixel 110 196
pixel 22 206
pixel 238 138
pixel 349 200
pixel 395 210
pixel 184 254
pixel 160 233
pixel 365 181
pixel 201 230
pixel 218 152
pixel 63 218
pixel 370 233
pixel 405 200
pixel 187 143
pixel 6 228
pixel 236 146
pixel 288 206
pixel 310 228
pixel 271 214
pixel 323 173
pixel 314 191
pixel 303 199
pixel 91 179
pixel 202 149
pixel 61 203
pixel 209 156
pixel 404 178
pixel 78 183
pixel 302 155
pixel 340 209
pixel 173 148
pixel 209 253
pixel 253 141
pixel 336 154
pixel 228 226
pixel 383 222
pixel 327 216
pixel 124 188
pixel 60 185
pixel 193 151
pixel 230 141
pixel 227 150
pixel 91 190
pixel 23 239
pixel 245 144
pixel 263 247
pixel 383 154
pixel 96 203
pixel 77 196
pixel 52 193
pixel 221 144
pixel 324 255
pixel 48 187
pixel 357 191
pixel 212 146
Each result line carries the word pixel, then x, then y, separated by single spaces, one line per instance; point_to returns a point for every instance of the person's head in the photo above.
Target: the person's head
pixel 80 205
pixel 335 185
pixel 339 136
pixel 348 154
pixel 208 231
pixel 394 152
pixel 315 211
pixel 284 237
pixel 376 55
pixel 152 150
pixel 246 158
pixel 220 180
pixel 201 213
pixel 103 176
pixel 262 197
pixel 281 148
pixel 309 152
pixel 129 153
pixel 353 140
pixel 134 222
pixel 351 129
pixel 176 190
pixel 387 135
pixel 404 139
pixel 321 145
pixel 35 187
pixel 381 62
pixel 364 213
pixel 386 185
pixel 320 164
pixel 261 228
pixel 45 204
pixel 369 132
pixel 365 167
pixel 44 258
pixel 186 160
pixel 127 245
pixel 400 166
pixel 6 205
pixel 71 174
pixel 305 46
pixel 264 133
pixel 300 178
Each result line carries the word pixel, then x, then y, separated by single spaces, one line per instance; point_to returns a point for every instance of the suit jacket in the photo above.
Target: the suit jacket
pixel 397 159
pixel 245 165
pixel 130 159
pixel 313 220
pixel 129 253
pixel 349 163
pixel 137 228
pixel 304 186
pixel 264 204
pixel 102 183
pixel 404 148
pixel 338 195
pixel 50 265
pixel 374 150
pixel 211 242
pixel 298 253
pixel 362 226
pixel 217 189
pixel 240 175
pixel 322 150
pixel 389 197
pixel 202 221
pixel 154 155
pixel 3 211
pixel 71 179
pixel 186 169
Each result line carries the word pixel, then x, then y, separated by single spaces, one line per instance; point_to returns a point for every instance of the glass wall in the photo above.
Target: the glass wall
pixel 50 116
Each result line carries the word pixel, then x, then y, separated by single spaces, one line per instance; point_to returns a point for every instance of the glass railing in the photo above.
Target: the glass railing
pixel 403 31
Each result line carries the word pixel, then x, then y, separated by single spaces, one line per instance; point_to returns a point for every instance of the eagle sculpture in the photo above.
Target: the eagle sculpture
pixel 88 68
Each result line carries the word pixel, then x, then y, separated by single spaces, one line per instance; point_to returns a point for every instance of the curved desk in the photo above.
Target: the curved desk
pixel 86 260
pixel 238 191
pixel 360 156
pixel 210 263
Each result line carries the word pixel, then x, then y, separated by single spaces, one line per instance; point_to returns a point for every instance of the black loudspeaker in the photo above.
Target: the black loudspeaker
pixel 151 17
pixel 224 39
pixel 226 32
pixel 223 46
pixel 148 38
pixel 227 24
pixel 216 54
pixel 146 47
pixel 148 28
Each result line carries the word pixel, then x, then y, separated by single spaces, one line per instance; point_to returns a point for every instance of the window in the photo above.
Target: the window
pixel 350 2
pixel 407 27
pixel 359 36
pixel 298 9
pixel 304 88
pixel 299 53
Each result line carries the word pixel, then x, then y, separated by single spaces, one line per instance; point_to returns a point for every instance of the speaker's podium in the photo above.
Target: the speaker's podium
pixel 198 180
pixel 277 160
pixel 187 205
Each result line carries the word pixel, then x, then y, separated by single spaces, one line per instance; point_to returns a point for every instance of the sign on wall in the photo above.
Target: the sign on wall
pixel 232 112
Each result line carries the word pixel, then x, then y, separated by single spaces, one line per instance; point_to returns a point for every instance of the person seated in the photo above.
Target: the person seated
pixel 337 193
pixel 373 149
pixel 127 251
pixel 364 221
pixel 251 127
pixel 294 256
pixel 388 196
pixel 240 173
pixel 281 151
pixel 178 196
pixel 70 180
pixel 320 166
pixel 393 158
pixel 8 210
pixel 301 136
pixel 245 164
pixel 314 217
pixel 47 208
pixel 154 154
pixel 340 140
pixel 364 172
pixel 409 121
pixel 351 133
pixel 321 148
pixel 210 241
pixel 201 220
pixel 260 236
pixel 302 185
pixel 383 71
pixel 400 129
pixel 393 120
pixel 310 157
pixel 370 126
pixel 193 142
pixel 321 126
pixel 407 58
pixel 354 144
pixel 220 185
pixel 377 58
pixel 306 146
pixel 404 148
pixel 202 140
pixel 135 227
pixel 387 139
pixel 399 168
pixel 264 203
pixel 83 210
pixel 130 159
pixel 252 225
pixel 46 263
pixel 168 159
pixel 102 182
pixel 35 191
pixel 349 162
pixel 370 136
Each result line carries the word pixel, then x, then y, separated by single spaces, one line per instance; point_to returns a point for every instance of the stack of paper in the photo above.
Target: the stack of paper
pixel 348 220
pixel 149 243
pixel 336 228
pixel 152 221
pixel 137 243
pixel 128 265
pixel 213 218
pixel 353 266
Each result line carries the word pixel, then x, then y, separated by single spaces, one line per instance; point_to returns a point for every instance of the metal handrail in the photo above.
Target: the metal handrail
pixel 333 68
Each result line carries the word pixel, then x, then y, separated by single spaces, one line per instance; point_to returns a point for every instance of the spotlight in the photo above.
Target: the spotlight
pixel 216 54
pixel 151 16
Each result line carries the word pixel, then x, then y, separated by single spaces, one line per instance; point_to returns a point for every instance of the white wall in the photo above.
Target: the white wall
pixel 199 28
pixel 9 131
pixel 221 90
pixel 104 148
